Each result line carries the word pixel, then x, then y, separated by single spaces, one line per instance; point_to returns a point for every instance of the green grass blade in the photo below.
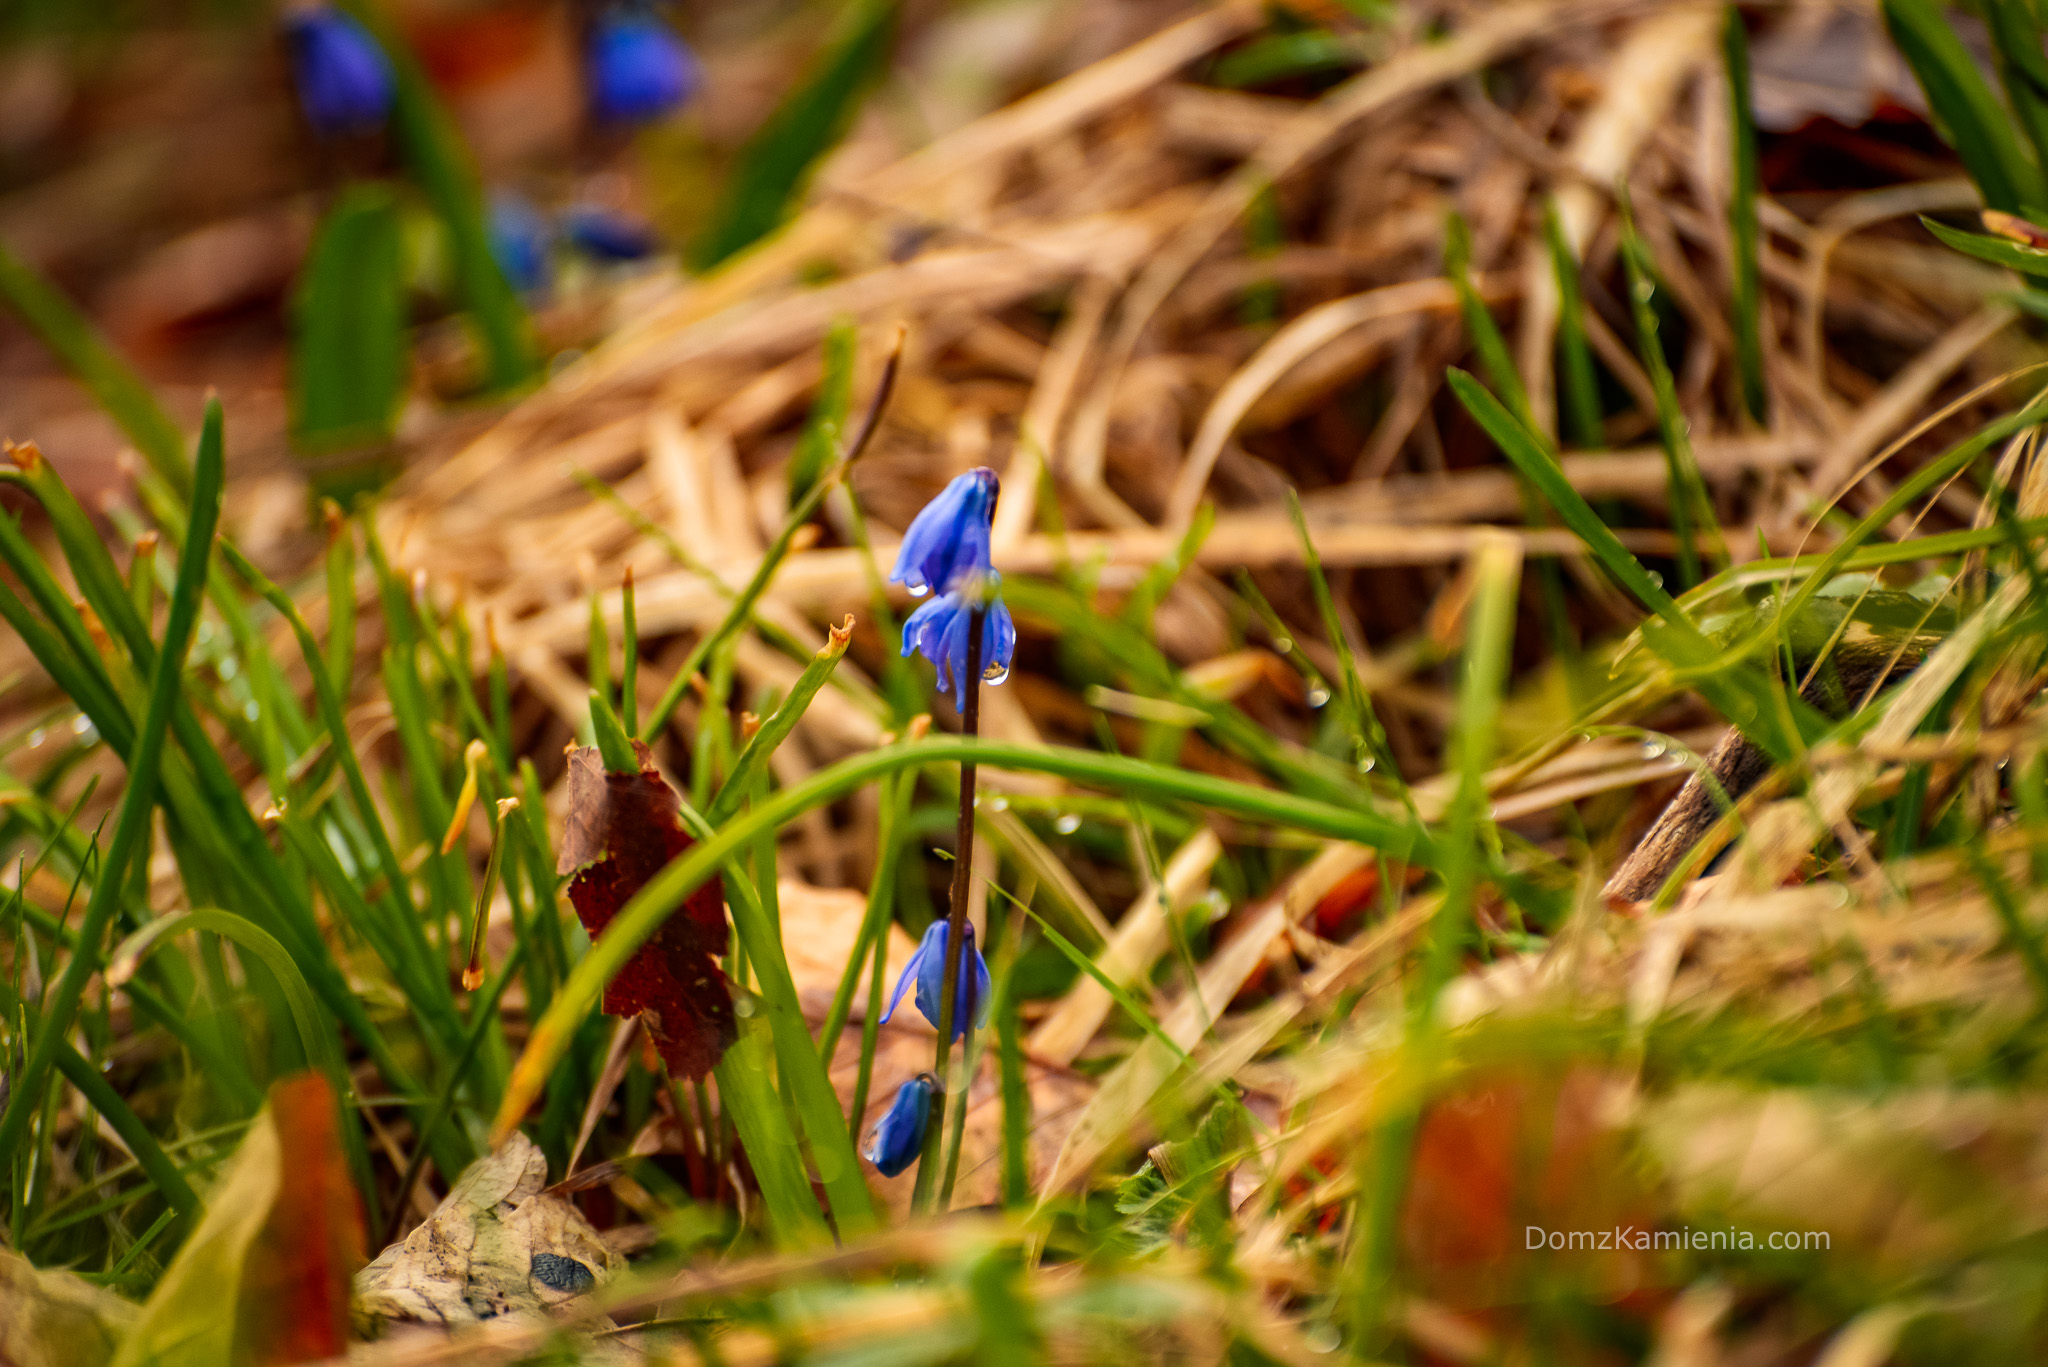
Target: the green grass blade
pixel 99 1094
pixel 1576 376
pixel 78 345
pixel 753 760
pixel 1494 356
pixel 132 824
pixel 665 891
pixel 1747 288
pixel 775 162
pixel 2030 261
pixel 1966 111
pixel 1691 507
pixel 824 432
pixel 434 153
pixel 349 363
pixel 749 1099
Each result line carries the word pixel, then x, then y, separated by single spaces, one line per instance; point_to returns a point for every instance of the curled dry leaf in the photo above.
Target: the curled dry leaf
pixel 499 1244
pixel 622 828
pixel 56 1319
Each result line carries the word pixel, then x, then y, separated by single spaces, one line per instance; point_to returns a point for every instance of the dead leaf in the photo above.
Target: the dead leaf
pixel 499 1244
pixel 55 1319
pixel 279 1251
pixel 621 830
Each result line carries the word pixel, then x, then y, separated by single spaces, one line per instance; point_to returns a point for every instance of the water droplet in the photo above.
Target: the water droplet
pixel 81 726
pixel 1321 1338
pixel 229 667
pixel 36 737
pixel 1366 763
pixel 1318 695
pixel 743 1006
pixel 1284 644
pixel 251 710
pixel 920 590
pixel 1657 578
pixel 995 674
pixel 1000 804
pixel 1067 824
pixel 1654 749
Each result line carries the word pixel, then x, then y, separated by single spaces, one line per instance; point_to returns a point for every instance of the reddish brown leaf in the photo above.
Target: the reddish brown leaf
pixel 295 1282
pixel 622 829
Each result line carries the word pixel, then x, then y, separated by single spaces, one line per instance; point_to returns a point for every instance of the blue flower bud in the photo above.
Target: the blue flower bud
pixel 927 968
pixel 635 67
pixel 898 1137
pixel 938 631
pixel 947 543
pixel 606 235
pixel 344 79
pixel 520 241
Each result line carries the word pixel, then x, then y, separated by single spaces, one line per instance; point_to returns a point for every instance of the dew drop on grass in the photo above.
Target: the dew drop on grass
pixel 251 710
pixel 1067 824
pixel 82 727
pixel 37 737
pixel 1654 749
pixel 1317 696
pixel 999 804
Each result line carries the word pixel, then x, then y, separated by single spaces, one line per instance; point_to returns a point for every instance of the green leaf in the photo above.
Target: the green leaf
pixel 349 326
pixel 1966 111
pixel 1997 250
pixel 746 1090
pixel 822 435
pixel 1279 56
pixel 439 162
pixel 776 161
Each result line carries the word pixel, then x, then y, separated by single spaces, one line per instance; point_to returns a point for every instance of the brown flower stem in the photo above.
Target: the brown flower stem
pixel 956 917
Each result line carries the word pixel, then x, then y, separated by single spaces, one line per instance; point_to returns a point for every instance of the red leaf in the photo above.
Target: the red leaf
pixel 295 1282
pixel 622 829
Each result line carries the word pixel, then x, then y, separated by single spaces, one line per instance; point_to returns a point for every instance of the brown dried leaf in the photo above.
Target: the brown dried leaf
pixel 621 830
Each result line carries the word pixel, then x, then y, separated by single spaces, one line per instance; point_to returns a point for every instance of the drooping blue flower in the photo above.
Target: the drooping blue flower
pixel 898 1137
pixel 927 968
pixel 635 67
pixel 606 235
pixel 947 543
pixel 938 631
pixel 520 241
pixel 344 79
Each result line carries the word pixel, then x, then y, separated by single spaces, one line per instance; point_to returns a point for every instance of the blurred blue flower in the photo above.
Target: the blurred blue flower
pixel 938 631
pixel 927 968
pixel 344 79
pixel 636 68
pixel 521 241
pixel 948 541
pixel 606 235
pixel 898 1137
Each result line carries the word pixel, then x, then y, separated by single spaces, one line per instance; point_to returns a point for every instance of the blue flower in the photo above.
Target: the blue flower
pixel 520 241
pixel 636 68
pixel 947 543
pixel 344 79
pixel 898 1137
pixel 938 631
pixel 927 968
pixel 606 235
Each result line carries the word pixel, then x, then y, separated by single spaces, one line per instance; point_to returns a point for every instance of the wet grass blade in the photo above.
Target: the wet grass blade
pixel 753 759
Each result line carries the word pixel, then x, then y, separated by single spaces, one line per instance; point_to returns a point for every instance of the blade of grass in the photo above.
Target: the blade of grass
pixel 82 350
pixel 1966 112
pixel 1746 287
pixel 132 824
pixel 772 166
pixel 1576 375
pixel 753 759
pixel 637 920
pixel 771 559
pixel 1691 507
